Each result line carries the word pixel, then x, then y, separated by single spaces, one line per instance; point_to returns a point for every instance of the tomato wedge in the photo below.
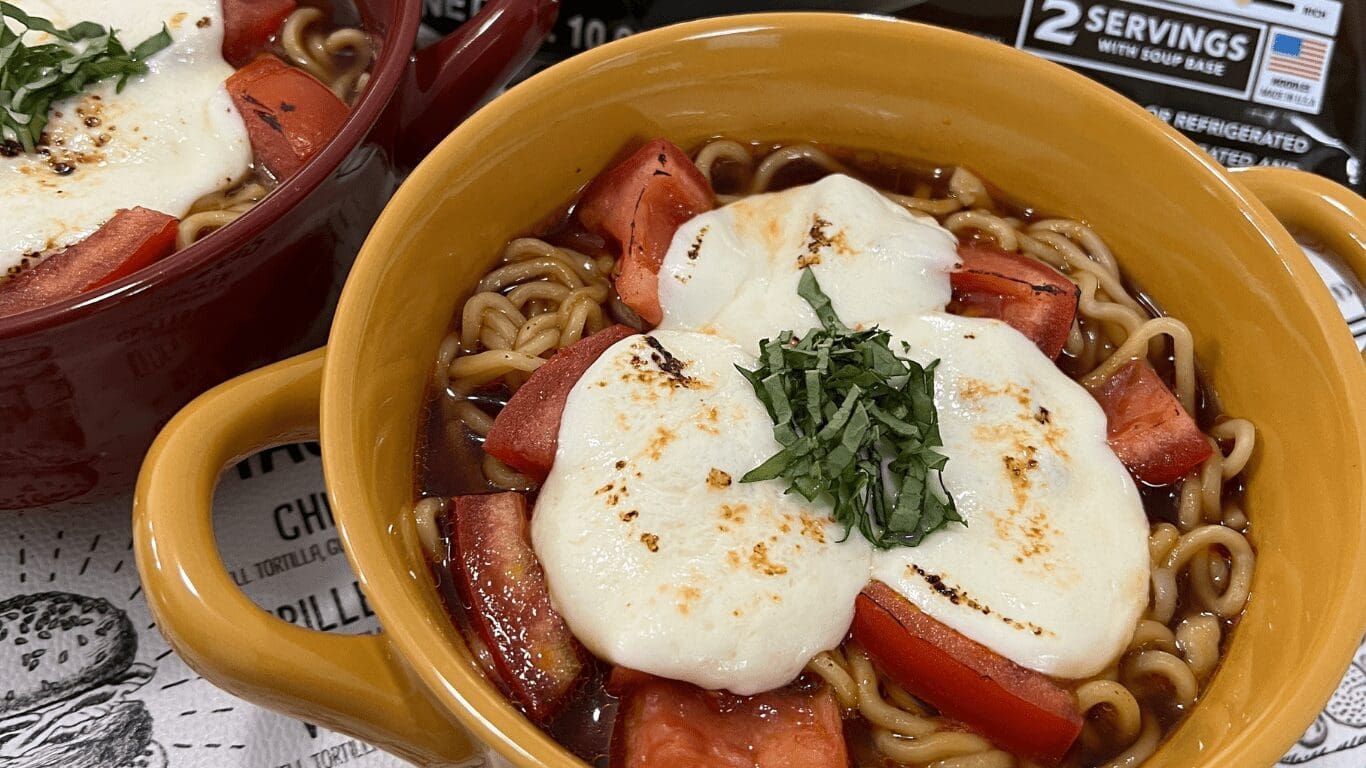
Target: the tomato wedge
pixel 289 114
pixel 638 204
pixel 1018 709
pixel 526 432
pixel 1032 297
pixel 1147 427
pixel 248 26
pixel 666 724
pixel 132 239
pixel 537 658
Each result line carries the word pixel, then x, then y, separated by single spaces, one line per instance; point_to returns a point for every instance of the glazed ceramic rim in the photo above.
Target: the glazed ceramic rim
pixel 477 703
pixel 395 51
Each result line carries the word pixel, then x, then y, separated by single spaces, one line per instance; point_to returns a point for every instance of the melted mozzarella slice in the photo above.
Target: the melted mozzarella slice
pixel 733 271
pixel 658 558
pixel 1051 570
pixel 171 137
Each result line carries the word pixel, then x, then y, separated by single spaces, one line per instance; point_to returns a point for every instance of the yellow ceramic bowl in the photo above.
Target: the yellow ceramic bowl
pixel 1191 234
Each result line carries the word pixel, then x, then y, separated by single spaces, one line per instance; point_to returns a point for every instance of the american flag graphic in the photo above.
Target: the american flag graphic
pixel 1295 55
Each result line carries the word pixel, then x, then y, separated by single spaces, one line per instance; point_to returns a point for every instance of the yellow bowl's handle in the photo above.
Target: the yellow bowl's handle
pixel 351 683
pixel 1331 213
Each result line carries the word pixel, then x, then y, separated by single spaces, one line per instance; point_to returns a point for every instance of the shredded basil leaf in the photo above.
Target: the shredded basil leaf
pixel 857 425
pixel 32 77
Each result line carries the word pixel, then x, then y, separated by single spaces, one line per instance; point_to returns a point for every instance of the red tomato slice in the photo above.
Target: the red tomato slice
pixel 1018 709
pixel 249 25
pixel 666 724
pixel 1148 429
pixel 134 238
pixel 289 114
pixel 638 204
pixel 538 659
pixel 527 431
pixel 1031 296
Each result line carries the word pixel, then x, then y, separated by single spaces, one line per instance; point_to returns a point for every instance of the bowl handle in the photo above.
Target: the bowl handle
pixel 452 76
pixel 1302 201
pixel 350 683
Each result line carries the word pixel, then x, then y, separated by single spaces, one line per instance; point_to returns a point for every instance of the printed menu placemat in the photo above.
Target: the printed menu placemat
pixel 275 529
pixel 277 537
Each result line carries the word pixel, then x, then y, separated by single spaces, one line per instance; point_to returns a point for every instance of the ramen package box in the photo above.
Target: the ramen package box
pixel 1253 82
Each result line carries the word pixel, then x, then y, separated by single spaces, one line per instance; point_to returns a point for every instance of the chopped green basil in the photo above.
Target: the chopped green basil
pixel 858 427
pixel 32 77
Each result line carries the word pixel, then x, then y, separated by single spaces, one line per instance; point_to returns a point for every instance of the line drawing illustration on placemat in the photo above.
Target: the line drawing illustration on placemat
pixel 68 660
pixel 87 553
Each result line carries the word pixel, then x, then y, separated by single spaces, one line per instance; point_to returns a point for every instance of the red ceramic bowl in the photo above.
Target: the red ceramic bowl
pixel 86 383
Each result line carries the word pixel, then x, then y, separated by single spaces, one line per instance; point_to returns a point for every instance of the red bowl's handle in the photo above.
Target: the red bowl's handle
pixel 454 75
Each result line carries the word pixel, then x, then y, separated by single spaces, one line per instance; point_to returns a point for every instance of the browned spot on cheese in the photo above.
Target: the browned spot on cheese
pixel 757 219
pixel 687 595
pixel 734 513
pixel 662 437
pixel 959 596
pixel 718 479
pixel 1019 467
pixel 1029 533
pixel 650 541
pixel 1032 428
pixel 977 390
pixel 758 560
pixel 818 238
pixel 813 528
pixel 1036 530
pixel 696 248
pixel 615 493
pixel 772 232
pixel 629 515
pixel 658 372
pixel 709 421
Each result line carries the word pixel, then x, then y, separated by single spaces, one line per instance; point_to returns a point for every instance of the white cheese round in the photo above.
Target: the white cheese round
pixel 169 138
pixel 657 556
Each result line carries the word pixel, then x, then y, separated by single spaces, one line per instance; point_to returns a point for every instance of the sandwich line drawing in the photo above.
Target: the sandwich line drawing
pixel 68 557
pixel 70 672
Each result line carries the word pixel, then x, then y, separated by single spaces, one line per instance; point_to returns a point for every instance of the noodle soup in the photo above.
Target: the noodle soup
pixel 620 504
pixel 221 102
